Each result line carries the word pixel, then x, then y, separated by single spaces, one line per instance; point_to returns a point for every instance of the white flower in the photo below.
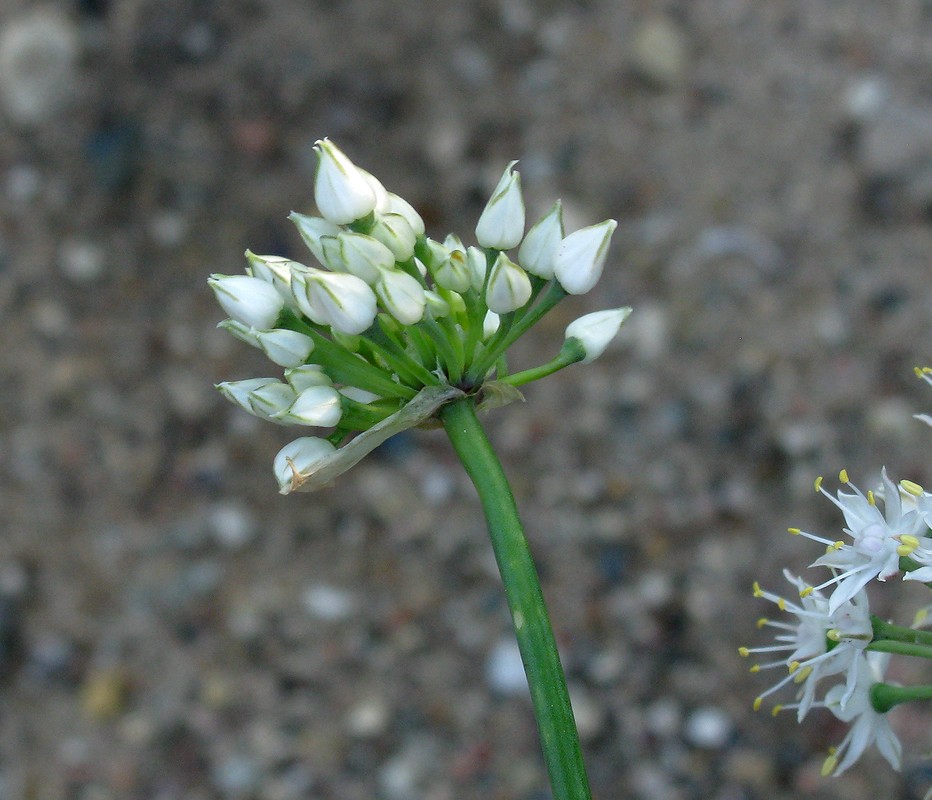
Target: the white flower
pixel 478 264
pixel 248 300
pixel 311 230
pixel 395 232
pixel 490 324
pixel 501 224
pixel 594 331
pixel 274 270
pixel 262 397
pixel 509 287
pixel 341 191
pixel 285 348
pixel 868 726
pixel 436 305
pixel 452 272
pixel 239 331
pixel 539 249
pixel 307 375
pixel 401 296
pixel 398 205
pixel 299 457
pixel 581 256
pixel 804 642
pixel 315 405
pixel 364 257
pixel 876 538
pixel 337 299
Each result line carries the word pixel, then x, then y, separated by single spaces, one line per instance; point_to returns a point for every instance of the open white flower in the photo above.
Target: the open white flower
pixel 868 726
pixel 876 538
pixel 817 644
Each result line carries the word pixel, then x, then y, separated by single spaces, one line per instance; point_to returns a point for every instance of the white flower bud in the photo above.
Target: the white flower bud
pixel 436 305
pixel 595 331
pixel 539 249
pixel 261 397
pixel 401 296
pixel 398 205
pixel 453 272
pixel 478 264
pixel 394 231
pixel 316 405
pixel 359 395
pixel 509 287
pixel 340 300
pixel 248 300
pixel 501 224
pixel 239 331
pixel 490 324
pixel 341 191
pixel 420 267
pixel 275 271
pixel 364 256
pixel 581 256
pixel 307 375
pixel 331 253
pixel 237 392
pixel 285 348
pixel 311 229
pixel 381 196
pixel 298 457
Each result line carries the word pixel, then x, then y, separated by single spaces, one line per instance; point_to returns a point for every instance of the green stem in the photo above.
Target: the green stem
pixel 556 726
pixel 901 648
pixel 884 696
pixel 898 633
pixel 572 353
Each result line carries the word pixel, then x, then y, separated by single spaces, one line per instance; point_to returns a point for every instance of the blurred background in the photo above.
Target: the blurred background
pixel 171 627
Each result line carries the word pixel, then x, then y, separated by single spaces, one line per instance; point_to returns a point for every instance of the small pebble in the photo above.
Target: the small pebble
pixel 81 260
pixel 328 603
pixel 504 669
pixel 368 718
pixel 708 728
pixel 659 52
pixel 232 524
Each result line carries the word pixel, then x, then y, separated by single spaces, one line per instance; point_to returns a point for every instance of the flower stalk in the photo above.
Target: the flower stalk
pixel 556 725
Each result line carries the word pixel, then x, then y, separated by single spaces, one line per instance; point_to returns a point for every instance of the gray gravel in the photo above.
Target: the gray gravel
pixel 170 627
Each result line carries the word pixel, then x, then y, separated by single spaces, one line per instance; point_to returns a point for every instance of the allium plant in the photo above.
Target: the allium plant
pixel 833 638
pixel 389 329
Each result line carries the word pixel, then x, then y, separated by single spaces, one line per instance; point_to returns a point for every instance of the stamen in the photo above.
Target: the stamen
pixel 818 484
pixel 762 621
pixel 757 702
pixel 828 766
pixel 843 476
pixel 806 592
pixel 804 673
pixel 870 497
pixel 757 591
pixel 776 710
pixel 743 652
pixel 912 488
pixel 794 531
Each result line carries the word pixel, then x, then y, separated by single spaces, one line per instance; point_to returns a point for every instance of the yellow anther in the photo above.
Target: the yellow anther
pixel 912 488
pixel 905 550
pixel 818 483
pixel 920 617
pixel 909 539
pixel 843 476
pixel 743 652
pixel 781 604
pixel 755 668
pixel 793 666
pixel 761 622
pixel 834 634
pixel 838 545
pixel 828 766
pixel 807 591
pixel 870 497
pixel 757 702
pixel 794 531
pixel 804 673
pixel 776 710
pixel 758 592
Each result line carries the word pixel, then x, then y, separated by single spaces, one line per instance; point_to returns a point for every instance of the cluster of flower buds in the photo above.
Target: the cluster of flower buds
pixel 835 634
pixel 389 311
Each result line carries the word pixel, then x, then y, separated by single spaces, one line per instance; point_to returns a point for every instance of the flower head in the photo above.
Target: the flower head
pixel 392 324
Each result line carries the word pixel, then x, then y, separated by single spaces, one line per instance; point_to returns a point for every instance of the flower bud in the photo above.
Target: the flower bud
pixel 261 397
pixel 237 392
pixel 398 205
pixel 501 224
pixel 581 256
pixel 239 331
pixel 274 270
pixel 285 348
pixel 478 264
pixel 359 395
pixel 341 191
pixel 248 300
pixel 307 375
pixel 401 296
pixel 340 300
pixel 299 457
pixel 381 196
pixel 394 231
pixel 595 331
pixel 311 229
pixel 539 248
pixel 509 287
pixel 317 405
pixel 490 324
pixel 453 272
pixel 364 256
pixel 436 305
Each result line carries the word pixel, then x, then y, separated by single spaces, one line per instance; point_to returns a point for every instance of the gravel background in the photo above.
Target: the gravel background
pixel 170 627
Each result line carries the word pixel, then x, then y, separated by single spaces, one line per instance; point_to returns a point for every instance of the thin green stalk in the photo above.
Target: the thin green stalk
pixel 884 696
pixel 556 725
pixel 898 633
pixel 572 353
pixel 901 648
